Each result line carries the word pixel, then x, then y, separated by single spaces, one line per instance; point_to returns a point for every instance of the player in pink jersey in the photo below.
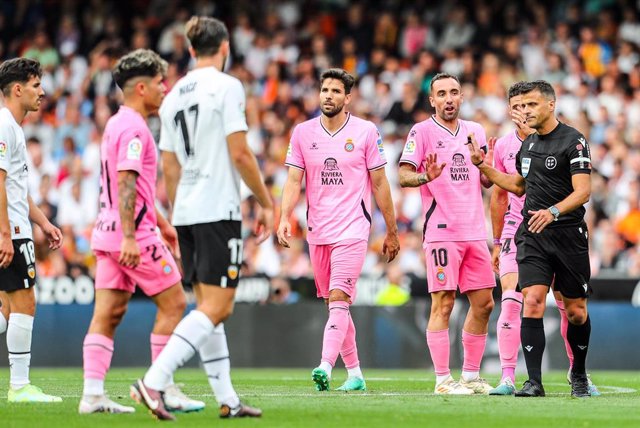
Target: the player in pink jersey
pixel 342 159
pixel 454 233
pixel 127 247
pixel 506 216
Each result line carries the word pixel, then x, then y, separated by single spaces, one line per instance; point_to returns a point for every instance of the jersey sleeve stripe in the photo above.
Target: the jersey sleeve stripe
pixel 580 160
pixel 377 167
pixel 408 161
pixel 294 165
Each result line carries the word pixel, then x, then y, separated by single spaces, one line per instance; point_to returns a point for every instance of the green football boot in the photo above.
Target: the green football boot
pixel 353 383
pixel 320 378
pixel 30 394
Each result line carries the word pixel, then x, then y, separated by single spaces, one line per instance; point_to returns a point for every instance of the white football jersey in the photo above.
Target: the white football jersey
pixel 13 159
pixel 197 115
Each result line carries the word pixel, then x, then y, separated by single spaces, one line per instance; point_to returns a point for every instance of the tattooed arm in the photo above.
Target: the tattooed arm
pixel 129 249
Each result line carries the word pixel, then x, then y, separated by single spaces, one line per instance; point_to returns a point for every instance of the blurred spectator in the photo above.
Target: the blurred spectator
pixel 589 51
pixel 280 292
pixel 395 293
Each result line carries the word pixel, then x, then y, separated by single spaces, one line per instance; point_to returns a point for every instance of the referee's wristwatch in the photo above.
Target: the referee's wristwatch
pixel 555 212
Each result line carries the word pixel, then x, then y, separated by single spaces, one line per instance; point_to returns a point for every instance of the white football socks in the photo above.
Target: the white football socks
pixel 214 354
pixel 186 339
pixel 19 346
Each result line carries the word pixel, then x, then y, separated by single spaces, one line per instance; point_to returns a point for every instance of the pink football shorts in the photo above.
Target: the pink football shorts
pixel 156 272
pixel 508 254
pixel 338 266
pixel 465 265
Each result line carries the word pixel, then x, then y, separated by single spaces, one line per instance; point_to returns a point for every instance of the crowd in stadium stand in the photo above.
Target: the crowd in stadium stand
pixel 589 51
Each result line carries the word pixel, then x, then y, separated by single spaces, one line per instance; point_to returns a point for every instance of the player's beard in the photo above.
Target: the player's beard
pixel 332 112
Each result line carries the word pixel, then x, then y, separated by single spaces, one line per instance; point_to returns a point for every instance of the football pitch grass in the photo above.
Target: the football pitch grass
pixel 395 399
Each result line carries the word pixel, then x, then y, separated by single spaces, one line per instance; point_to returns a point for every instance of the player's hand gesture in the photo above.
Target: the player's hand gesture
pixel 129 252
pixel 539 220
pixel 6 250
pixel 284 232
pixel 520 121
pixel 495 259
pixel 476 153
pixel 54 236
pixel 431 167
pixel 391 246
pixel 264 225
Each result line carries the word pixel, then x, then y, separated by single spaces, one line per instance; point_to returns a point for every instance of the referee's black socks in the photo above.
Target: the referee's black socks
pixel 533 343
pixel 578 338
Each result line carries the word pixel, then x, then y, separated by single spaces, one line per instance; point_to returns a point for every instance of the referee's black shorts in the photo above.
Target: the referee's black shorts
pixel 559 254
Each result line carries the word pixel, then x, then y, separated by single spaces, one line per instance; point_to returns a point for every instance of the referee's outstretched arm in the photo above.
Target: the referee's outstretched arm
pixel 513 183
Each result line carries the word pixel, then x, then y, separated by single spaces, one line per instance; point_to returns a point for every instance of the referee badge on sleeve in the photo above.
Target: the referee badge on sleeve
pixel 525 165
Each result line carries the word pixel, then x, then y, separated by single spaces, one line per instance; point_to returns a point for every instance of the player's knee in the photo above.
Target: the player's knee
pixel 577 316
pixel 337 295
pixel 443 308
pixel 534 302
pixel 116 315
pixel 484 307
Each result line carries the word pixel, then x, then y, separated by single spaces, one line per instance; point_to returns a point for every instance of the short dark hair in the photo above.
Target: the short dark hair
pixel 206 34
pixel 516 89
pixel 139 63
pixel 18 70
pixel 543 86
pixel 339 74
pixel 441 76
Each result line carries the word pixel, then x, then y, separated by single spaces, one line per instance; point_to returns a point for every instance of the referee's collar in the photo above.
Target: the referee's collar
pixel 552 133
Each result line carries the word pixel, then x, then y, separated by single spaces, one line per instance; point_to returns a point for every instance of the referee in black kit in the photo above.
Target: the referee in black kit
pixel 554 169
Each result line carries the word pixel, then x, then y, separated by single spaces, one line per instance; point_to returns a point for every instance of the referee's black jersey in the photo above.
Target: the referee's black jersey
pixel 547 163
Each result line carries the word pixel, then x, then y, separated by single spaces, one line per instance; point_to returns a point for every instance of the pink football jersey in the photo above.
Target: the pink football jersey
pixel 127 145
pixel 337 179
pixel 504 160
pixel 452 203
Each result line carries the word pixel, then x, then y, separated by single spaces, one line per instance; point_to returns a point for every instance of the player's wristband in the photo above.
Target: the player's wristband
pixel 479 163
pixel 496 241
pixel 424 180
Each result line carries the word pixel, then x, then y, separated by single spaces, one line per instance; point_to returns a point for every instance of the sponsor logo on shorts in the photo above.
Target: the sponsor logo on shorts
pixel 31 271
pixel 349 281
pixel 349 145
pixel 441 276
pixel 166 267
pixel 232 272
pixel 16 230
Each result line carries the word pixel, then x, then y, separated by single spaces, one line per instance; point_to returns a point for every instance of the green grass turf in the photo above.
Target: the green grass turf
pixel 396 399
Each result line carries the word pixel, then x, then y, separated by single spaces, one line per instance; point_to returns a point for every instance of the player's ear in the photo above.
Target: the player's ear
pixel 431 101
pixel 225 48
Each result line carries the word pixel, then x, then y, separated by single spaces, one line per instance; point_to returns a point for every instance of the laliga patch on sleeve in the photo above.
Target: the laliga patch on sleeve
pixel 134 149
pixel 3 150
pixel 409 147
pixel 380 147
pixel 289 150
